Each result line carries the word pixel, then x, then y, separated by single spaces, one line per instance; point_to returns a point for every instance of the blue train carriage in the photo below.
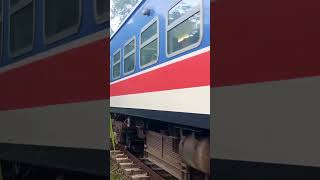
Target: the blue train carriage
pixel 160 84
pixel 52 93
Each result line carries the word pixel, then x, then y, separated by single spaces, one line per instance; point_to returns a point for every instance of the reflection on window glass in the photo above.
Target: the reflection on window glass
pixel 21 28
pixel 129 63
pixel 149 32
pixel 148 53
pixel 184 34
pixel 61 16
pixel 129 56
pixel 116 70
pixel 129 47
pixel 181 9
pixel 116 57
pixel 116 65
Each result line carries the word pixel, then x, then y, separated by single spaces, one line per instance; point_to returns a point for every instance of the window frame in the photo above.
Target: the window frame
pixel 115 63
pixel 150 40
pixel 63 34
pixel 99 19
pixel 134 51
pixel 179 21
pixel 12 10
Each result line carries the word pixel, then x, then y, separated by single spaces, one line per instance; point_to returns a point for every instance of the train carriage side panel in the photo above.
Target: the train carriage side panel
pixel 266 90
pixel 175 88
pixel 53 107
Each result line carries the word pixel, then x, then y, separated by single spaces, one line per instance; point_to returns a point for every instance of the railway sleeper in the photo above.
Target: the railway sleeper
pixel 130 168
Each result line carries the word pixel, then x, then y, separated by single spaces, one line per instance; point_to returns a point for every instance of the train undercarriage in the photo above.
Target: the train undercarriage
pixel 182 151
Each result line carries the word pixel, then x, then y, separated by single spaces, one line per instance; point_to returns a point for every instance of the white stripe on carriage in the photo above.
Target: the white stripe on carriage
pixel 187 100
pixel 81 125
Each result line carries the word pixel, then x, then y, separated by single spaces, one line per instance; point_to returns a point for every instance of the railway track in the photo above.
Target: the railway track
pixel 139 168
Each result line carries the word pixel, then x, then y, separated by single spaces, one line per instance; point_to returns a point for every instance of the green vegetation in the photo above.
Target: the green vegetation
pixel 119 11
pixel 116 173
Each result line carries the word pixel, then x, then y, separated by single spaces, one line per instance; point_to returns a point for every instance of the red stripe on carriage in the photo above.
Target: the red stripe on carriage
pixel 76 75
pixel 191 72
pixel 259 41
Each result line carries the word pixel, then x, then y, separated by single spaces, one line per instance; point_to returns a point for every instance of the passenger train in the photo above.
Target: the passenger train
pixel 160 84
pixel 265 89
pixel 53 96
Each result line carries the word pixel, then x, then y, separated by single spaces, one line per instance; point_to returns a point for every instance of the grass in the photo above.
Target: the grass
pixel 116 173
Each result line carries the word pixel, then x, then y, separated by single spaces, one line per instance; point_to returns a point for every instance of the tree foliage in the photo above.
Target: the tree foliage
pixel 120 10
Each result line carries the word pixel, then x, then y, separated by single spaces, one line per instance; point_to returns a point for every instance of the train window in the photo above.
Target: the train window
pixel 184 26
pixel 149 43
pixel 21 26
pixel 62 19
pixel 100 8
pixel 116 64
pixel 129 57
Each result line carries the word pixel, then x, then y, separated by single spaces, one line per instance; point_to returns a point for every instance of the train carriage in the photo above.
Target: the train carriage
pixel 265 84
pixel 52 84
pixel 160 84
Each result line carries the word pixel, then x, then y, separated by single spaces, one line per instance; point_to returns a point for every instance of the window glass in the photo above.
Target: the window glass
pixel 116 57
pixel 185 34
pixel 21 28
pixel 116 70
pixel 129 56
pixel 101 10
pixel 116 65
pixel 149 53
pixel 181 9
pixel 129 63
pixel 149 32
pixel 61 16
pixel 101 7
pixel 14 2
pixel 129 47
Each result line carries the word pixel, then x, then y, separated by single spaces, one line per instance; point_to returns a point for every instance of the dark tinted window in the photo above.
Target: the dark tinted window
pixel 21 29
pixel 62 18
pixel 101 8
pixel 14 2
